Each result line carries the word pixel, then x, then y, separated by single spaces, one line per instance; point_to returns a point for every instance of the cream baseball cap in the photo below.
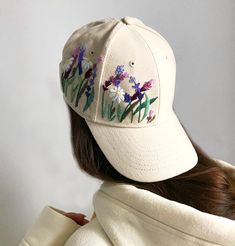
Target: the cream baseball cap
pixel 119 75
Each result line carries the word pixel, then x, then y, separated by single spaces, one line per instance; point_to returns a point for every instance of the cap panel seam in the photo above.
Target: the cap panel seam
pixel 111 37
pixel 159 101
pixel 159 35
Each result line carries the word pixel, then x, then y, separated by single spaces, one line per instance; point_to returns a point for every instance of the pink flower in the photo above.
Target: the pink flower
pixel 147 85
pixel 150 116
pixel 75 52
pixel 100 58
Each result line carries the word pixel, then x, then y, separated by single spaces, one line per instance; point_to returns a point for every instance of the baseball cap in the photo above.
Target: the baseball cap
pixel 119 75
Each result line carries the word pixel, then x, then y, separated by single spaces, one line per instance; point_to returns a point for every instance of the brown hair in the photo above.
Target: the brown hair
pixel 204 187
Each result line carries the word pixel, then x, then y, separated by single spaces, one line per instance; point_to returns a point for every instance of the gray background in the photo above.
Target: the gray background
pixel 36 163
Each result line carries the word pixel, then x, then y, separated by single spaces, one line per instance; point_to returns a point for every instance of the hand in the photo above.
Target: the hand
pixel 79 218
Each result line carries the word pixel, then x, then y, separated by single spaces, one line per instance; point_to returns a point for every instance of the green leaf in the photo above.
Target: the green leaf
pixel 89 100
pixel 80 92
pixel 112 117
pixel 109 111
pixel 144 105
pixel 147 103
pixel 128 110
pixel 106 109
pixel 75 86
pixel 119 112
pixel 113 110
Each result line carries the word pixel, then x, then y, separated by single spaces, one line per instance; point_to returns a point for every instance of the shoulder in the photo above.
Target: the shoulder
pixel 89 235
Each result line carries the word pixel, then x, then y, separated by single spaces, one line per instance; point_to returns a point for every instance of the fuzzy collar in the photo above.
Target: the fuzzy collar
pixel 132 216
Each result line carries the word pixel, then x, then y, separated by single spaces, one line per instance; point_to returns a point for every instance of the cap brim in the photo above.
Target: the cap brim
pixel 147 154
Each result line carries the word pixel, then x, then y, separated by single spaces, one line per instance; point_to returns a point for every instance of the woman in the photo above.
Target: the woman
pixel 160 188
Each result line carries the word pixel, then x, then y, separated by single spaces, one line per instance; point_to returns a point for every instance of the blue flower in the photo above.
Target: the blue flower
pixel 119 69
pixel 80 58
pixel 127 97
pixel 136 86
pixel 93 75
pixel 132 79
pixel 87 93
pixel 140 96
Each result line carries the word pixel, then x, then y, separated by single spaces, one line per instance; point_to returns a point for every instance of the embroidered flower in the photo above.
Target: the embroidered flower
pixel 119 69
pixel 80 78
pixel 86 64
pixel 136 86
pixel 75 52
pixel 80 58
pixel 150 116
pixel 100 58
pixel 147 85
pixel 116 93
pixel 127 97
pixel 132 79
pixel 137 103
pixel 92 76
pixel 68 64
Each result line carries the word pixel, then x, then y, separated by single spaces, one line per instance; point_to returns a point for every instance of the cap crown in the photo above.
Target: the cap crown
pixel 118 72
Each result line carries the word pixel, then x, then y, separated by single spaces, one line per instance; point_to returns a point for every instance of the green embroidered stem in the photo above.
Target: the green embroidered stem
pixel 89 100
pixel 111 112
pixel 127 111
pixel 144 105
pixel 139 111
pixel 146 108
pixel 102 105
pixel 67 83
pixel 80 92
pixel 132 115
pixel 80 86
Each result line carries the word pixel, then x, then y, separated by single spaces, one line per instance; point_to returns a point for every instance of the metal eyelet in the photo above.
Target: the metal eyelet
pixel 132 63
pixel 92 52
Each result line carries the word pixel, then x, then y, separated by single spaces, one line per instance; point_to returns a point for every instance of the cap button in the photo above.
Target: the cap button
pixel 131 20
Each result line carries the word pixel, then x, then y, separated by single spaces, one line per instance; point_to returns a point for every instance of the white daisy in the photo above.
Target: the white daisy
pixel 86 64
pixel 116 93
pixel 68 64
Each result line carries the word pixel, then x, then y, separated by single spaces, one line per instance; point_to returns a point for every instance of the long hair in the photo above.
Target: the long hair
pixel 204 187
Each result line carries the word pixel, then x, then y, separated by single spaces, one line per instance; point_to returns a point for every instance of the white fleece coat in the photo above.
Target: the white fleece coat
pixel 128 216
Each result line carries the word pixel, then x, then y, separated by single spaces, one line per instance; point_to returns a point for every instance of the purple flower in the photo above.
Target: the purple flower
pixel 136 95
pixel 88 73
pixel 122 76
pixel 80 58
pixel 136 86
pixel 150 115
pixel 116 79
pixel 91 81
pixel 107 83
pixel 140 96
pixel 75 52
pixel 127 97
pixel 116 82
pixel 147 85
pixel 105 88
pixel 93 75
pixel 132 79
pixel 87 93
